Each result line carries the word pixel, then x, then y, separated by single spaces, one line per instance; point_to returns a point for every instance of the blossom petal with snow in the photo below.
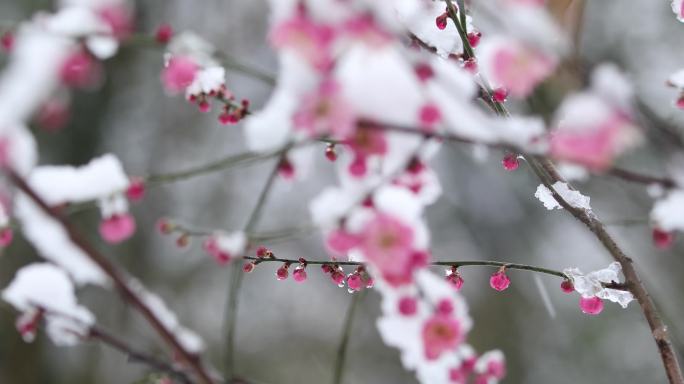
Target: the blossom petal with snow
pixel 46 286
pixel 591 284
pixel 668 212
pixel 678 9
pixel 102 177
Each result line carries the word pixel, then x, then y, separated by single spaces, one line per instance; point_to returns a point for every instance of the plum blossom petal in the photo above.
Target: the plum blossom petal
pixel 46 286
pixel 678 9
pixel 435 357
pixel 516 67
pixel 207 80
pixel 668 212
pixel 591 284
pixel 595 126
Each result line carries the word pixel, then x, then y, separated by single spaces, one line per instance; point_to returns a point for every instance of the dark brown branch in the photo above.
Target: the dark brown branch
pixel 107 338
pixel 641 178
pixel 548 175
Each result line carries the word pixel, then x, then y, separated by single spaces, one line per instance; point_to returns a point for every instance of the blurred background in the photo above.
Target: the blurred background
pixel 289 332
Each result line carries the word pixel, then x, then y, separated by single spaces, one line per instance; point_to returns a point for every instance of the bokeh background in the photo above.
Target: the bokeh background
pixel 288 332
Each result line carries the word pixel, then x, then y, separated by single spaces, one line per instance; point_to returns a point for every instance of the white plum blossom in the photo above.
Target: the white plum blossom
pixel 84 23
pixel 572 197
pixel 592 284
pixel 668 212
pixel 224 247
pixel 677 79
pixel 368 74
pixel 207 80
pixel 194 46
pixel 271 127
pixel 678 9
pixel 233 243
pixel 32 73
pixel 47 287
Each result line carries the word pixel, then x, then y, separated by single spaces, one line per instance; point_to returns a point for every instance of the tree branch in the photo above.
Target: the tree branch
pixel 547 173
pixel 117 278
pixel 344 339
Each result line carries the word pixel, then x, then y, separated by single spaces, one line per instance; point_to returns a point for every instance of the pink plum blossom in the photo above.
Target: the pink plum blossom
pixel 179 73
pixel 136 189
pixel 53 115
pixel 310 40
pixel 387 244
pixel 163 33
pixel 440 333
pixel 516 67
pixel 363 27
pixel 6 236
pixel 364 143
pixel 595 146
pixel 408 306
pixel 325 112
pixel 490 367
pixel 79 70
pixel 591 305
pixel 678 9
pixel 299 274
pixel 662 239
pixel 7 41
pixel 224 247
pixel 117 228
pixel 499 280
pixel 120 20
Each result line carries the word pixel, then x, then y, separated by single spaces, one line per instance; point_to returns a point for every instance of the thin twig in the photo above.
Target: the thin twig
pixel 455 263
pixel 236 275
pixel 120 345
pixel 641 178
pixel 341 356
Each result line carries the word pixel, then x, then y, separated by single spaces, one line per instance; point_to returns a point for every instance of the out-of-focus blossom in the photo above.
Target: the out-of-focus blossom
pixel 678 9
pixel 514 66
pixel 309 39
pixel 325 112
pixel 53 115
pixel 164 33
pixel 224 247
pixel 668 212
pixel 47 287
pixel 676 80
pixel 209 80
pixel 594 127
pixel 179 73
pixel 430 329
